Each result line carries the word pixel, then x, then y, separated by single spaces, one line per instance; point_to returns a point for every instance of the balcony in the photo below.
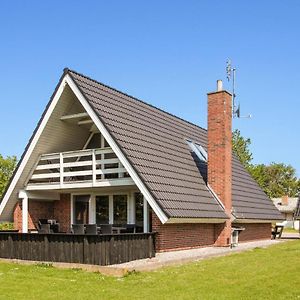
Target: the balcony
pixel 78 169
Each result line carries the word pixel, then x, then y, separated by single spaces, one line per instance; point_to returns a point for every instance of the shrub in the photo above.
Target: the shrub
pixel 6 226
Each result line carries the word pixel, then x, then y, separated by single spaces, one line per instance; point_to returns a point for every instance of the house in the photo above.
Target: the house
pixel 287 206
pixel 297 212
pixel 101 156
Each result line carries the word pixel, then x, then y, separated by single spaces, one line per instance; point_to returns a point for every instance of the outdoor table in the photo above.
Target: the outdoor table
pixel 118 229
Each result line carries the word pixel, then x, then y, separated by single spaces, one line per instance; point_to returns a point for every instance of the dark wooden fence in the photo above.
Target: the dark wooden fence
pixel 84 249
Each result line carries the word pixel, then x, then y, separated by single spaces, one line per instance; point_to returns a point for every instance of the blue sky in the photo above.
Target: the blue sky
pixel 168 53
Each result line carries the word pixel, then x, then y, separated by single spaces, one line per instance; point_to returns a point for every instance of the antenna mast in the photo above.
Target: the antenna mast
pixel 230 70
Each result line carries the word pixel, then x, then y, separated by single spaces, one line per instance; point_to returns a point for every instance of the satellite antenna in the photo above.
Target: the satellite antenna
pixel 236 109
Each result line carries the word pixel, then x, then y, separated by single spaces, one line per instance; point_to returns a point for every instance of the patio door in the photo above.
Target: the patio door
pixel 81 209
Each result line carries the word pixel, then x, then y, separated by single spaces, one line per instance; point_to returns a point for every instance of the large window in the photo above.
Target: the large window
pixel 81 209
pixel 120 209
pixel 102 209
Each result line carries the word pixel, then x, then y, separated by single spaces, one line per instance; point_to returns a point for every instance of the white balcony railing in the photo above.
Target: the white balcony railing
pixel 83 168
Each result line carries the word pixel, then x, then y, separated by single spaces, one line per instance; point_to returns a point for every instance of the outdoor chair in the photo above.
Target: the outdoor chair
pixel 91 229
pixel 44 228
pixel 55 228
pixel 106 229
pixel 77 228
pixel 130 228
pixel 277 232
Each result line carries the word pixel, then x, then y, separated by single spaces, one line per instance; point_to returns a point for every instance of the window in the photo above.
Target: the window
pixel 81 209
pixel 198 150
pixel 139 209
pixel 120 209
pixel 95 141
pixel 102 209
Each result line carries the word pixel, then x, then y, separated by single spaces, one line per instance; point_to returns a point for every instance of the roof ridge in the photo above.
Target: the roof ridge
pixel 66 70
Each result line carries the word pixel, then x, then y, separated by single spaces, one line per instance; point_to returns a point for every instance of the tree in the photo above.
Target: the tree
pixel 240 146
pixel 7 166
pixel 276 179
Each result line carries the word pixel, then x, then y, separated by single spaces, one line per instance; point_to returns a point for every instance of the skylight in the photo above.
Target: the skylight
pixel 198 150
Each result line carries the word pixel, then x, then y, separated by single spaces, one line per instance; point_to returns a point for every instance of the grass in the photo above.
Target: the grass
pixel 290 230
pixel 271 273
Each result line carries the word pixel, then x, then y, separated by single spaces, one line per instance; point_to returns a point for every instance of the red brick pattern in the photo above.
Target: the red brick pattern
pixel 62 212
pixel 181 236
pixel 59 210
pixel 36 210
pixel 220 156
pixel 18 216
pixel 257 231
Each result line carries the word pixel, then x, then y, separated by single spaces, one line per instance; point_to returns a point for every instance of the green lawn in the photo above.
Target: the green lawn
pixel 290 230
pixel 272 273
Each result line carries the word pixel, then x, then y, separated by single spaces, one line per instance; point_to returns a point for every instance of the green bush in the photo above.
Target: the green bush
pixel 6 226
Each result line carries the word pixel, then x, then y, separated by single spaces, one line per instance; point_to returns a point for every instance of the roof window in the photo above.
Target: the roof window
pixel 198 150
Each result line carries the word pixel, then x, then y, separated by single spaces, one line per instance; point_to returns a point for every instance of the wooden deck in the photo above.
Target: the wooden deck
pixel 83 249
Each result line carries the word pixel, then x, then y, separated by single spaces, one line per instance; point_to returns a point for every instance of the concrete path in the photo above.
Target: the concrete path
pixel 183 256
pixel 292 236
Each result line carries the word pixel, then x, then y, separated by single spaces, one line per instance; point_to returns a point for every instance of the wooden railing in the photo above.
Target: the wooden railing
pixel 83 249
pixel 64 169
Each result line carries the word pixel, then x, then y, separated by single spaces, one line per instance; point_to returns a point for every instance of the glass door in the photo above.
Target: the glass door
pixel 81 209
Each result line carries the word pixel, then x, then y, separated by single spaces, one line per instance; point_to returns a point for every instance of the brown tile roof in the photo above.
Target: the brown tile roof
pixel 154 142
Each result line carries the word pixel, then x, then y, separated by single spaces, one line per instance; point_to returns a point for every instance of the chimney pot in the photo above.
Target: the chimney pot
pixel 285 200
pixel 219 85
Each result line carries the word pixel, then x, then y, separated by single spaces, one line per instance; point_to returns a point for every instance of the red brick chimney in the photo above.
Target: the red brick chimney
pixel 219 148
pixel 285 200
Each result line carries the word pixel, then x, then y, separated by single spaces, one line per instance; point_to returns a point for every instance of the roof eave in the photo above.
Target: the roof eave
pixel 196 220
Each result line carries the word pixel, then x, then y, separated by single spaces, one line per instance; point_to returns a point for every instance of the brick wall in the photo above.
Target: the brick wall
pixel 18 216
pixel 186 236
pixel 59 210
pixel 36 210
pixel 219 149
pixel 182 236
pixel 62 212
pixel 253 232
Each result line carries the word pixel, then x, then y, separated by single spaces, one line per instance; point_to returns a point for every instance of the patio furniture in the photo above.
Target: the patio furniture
pixel 130 228
pixel 91 229
pixel 54 225
pixel 106 229
pixel 55 228
pixel 77 228
pixel 118 229
pixel 277 231
pixel 44 228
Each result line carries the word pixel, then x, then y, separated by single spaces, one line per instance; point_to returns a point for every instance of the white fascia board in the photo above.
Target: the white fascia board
pixel 161 215
pixel 32 145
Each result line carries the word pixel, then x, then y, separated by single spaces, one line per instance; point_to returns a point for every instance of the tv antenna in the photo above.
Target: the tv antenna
pixel 236 108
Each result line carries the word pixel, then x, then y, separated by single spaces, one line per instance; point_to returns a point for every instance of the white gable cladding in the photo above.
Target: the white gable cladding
pixel 53 135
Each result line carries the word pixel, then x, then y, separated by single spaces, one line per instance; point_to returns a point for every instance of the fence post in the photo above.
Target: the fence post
pixel 11 248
